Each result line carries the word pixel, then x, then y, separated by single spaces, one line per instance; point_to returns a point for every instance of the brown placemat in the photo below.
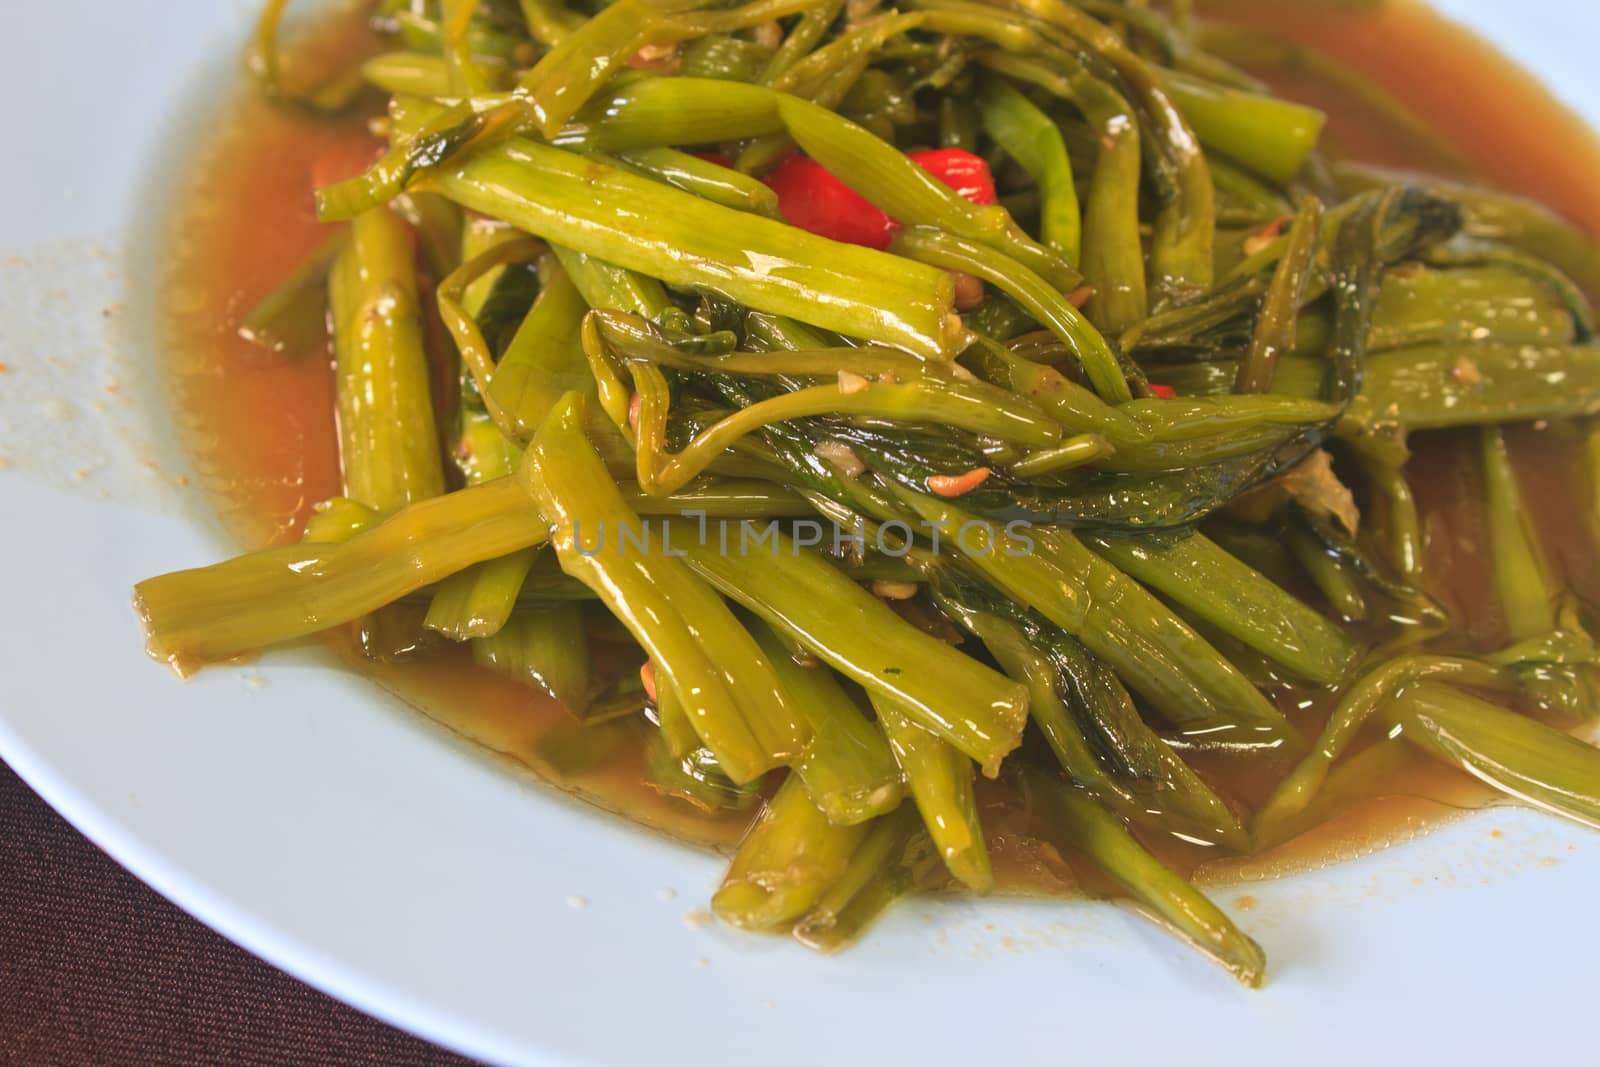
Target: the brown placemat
pixel 97 968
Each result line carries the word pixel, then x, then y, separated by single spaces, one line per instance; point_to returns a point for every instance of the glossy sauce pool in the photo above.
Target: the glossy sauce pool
pixel 261 426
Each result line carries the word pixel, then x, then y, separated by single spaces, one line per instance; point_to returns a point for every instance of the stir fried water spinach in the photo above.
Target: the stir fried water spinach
pixel 986 390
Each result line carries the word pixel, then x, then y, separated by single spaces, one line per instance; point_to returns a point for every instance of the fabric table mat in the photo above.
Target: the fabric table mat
pixel 97 968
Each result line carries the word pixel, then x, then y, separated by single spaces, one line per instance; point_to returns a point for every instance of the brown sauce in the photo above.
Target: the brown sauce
pixel 261 427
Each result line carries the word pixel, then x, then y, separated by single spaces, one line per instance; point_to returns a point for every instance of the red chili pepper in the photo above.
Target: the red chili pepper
pixel 714 157
pixel 1165 392
pixel 962 171
pixel 951 486
pixel 815 200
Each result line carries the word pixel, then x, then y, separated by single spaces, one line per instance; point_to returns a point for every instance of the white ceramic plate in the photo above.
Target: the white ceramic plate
pixel 334 833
